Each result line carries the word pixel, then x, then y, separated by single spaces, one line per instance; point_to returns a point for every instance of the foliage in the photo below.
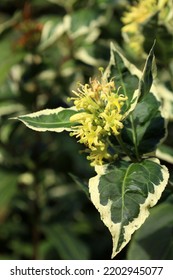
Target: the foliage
pixel 124 189
pixel 45 49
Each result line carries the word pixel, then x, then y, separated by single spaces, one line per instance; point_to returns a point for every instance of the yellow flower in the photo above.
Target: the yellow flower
pixel 96 157
pixel 112 121
pixel 99 117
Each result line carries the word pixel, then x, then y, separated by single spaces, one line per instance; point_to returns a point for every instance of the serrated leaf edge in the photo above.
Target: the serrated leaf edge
pixel 105 213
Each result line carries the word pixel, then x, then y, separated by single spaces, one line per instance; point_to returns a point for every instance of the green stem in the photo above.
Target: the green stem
pixel 112 146
pixel 134 135
pixel 123 146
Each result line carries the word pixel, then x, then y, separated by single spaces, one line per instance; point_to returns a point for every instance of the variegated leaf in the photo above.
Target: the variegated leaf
pixel 123 194
pixel 49 119
pixel 131 81
pixel 126 77
pixel 148 74
pixel 145 128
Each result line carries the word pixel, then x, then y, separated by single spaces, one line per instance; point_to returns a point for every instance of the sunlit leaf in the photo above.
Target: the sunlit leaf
pixel 49 119
pixel 145 126
pixel 129 79
pixel 123 194
pixel 125 75
pixel 147 75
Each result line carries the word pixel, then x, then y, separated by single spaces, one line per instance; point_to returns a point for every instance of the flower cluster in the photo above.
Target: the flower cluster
pixel 99 116
pixel 137 15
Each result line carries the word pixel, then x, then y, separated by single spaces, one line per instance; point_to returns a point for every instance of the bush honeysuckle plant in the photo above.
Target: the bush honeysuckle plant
pixel 119 121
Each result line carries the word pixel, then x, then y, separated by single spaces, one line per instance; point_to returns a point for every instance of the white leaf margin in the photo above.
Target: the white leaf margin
pixel 114 48
pixel 45 112
pixel 105 212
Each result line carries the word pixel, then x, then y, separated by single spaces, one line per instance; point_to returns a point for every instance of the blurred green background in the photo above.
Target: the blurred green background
pixel 46 47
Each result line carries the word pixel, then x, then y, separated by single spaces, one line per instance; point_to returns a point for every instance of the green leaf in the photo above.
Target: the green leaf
pixel 145 127
pixel 49 119
pixel 154 239
pixel 129 79
pixel 126 77
pixel 146 81
pixel 123 194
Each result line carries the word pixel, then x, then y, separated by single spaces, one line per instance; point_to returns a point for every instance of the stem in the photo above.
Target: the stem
pixel 134 135
pixel 112 146
pixel 119 139
pixel 123 146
